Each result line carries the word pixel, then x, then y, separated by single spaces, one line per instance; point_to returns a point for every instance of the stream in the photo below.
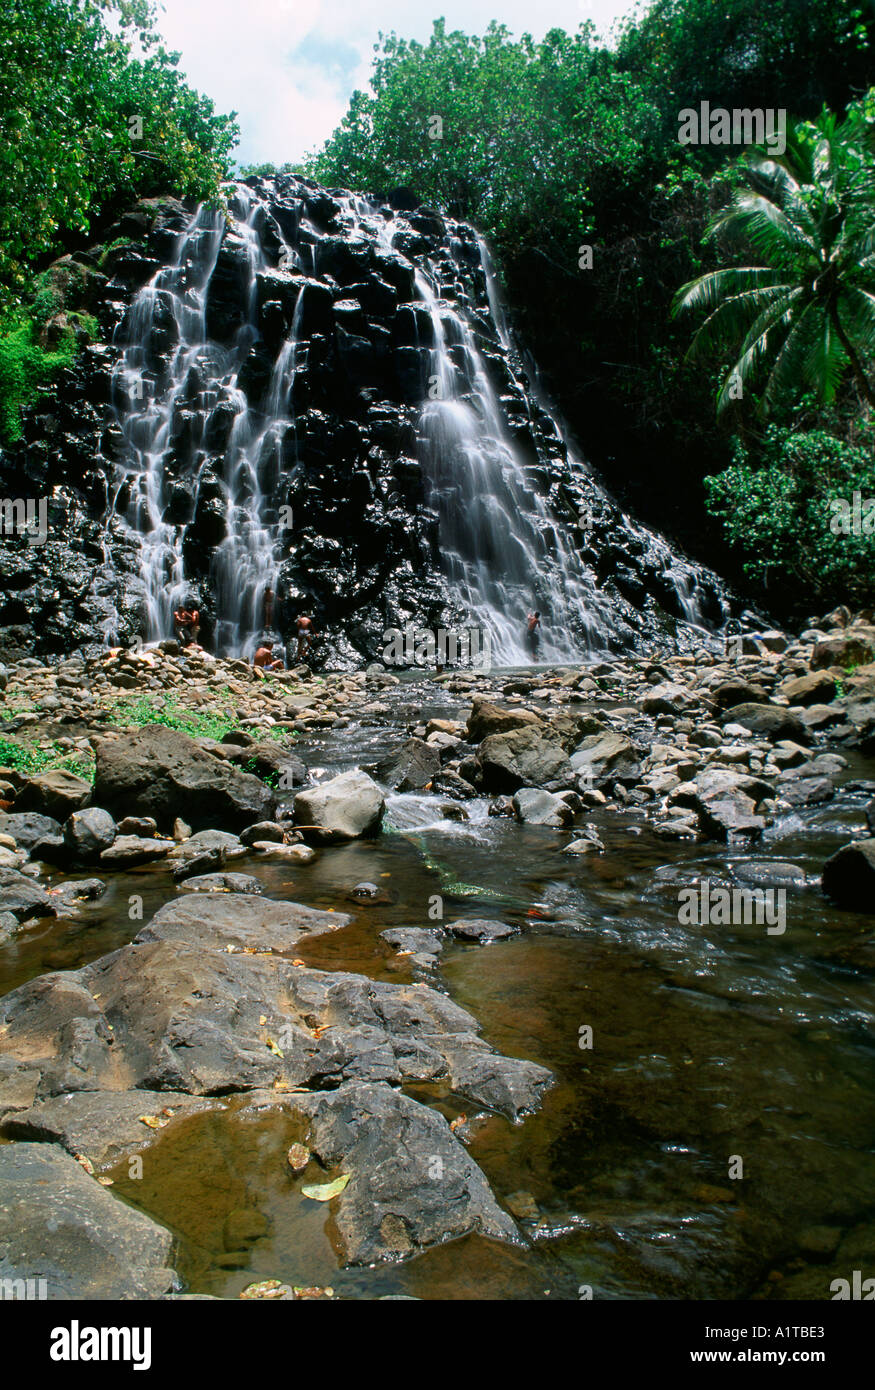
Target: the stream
pixel 710 1044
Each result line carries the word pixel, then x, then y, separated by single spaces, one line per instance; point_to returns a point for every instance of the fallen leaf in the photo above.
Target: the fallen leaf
pixel 153 1121
pixel 272 1047
pixel 325 1191
pixel 86 1163
pixel 312 1291
pixel 267 1288
pixel 106 1182
pixel 263 1019
pixel 299 1157
pixel 298 961
pixel 458 1122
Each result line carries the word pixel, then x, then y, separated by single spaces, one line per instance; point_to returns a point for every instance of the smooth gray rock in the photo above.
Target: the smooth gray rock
pixel 88 832
pixel 58 1223
pixel 347 807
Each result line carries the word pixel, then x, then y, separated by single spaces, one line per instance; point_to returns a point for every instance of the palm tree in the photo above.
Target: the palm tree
pixel 806 312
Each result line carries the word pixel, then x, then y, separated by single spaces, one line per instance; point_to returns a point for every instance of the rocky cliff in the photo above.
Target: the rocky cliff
pixel 318 393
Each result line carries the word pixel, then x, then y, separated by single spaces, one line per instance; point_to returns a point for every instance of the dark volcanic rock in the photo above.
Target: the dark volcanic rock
pixel 160 772
pixel 849 876
pixel 58 1223
pixel 412 1184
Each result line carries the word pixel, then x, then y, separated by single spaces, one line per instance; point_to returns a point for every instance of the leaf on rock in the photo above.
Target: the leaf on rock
pixel 323 1192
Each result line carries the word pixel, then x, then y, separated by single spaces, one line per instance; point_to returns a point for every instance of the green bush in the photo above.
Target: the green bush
pixel 24 367
pixel 777 509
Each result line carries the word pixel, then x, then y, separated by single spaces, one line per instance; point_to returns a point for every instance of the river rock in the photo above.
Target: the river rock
pixel 28 828
pixel 411 768
pixel 771 721
pixel 162 773
pixel 541 808
pixel 522 757
pixel 488 718
pixel 610 756
pixel 241 920
pixel 849 876
pixel 58 1222
pixel 817 687
pixel 104 1126
pixel 127 851
pixel 22 897
pixel 57 794
pixel 88 832
pixel 416 940
pixel 222 883
pixel 412 1184
pixel 188 1016
pixel 481 929
pixel 348 807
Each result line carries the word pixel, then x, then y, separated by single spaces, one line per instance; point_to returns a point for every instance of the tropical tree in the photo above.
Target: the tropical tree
pixel 804 312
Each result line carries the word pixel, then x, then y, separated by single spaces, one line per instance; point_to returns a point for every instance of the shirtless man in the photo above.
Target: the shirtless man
pixel 533 632
pixel 187 626
pixel 264 660
pixel 268 609
pixel 305 633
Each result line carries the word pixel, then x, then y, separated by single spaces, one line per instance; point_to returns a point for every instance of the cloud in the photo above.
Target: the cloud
pixel 289 69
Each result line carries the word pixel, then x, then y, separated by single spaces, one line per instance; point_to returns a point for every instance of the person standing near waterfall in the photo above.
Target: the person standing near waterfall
pixel 533 632
pixel 305 634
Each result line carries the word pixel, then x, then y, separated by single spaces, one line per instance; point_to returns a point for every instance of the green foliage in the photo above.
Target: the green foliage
pixel 76 77
pixel 29 759
pixel 151 709
pixel 24 367
pixel 805 311
pixel 777 509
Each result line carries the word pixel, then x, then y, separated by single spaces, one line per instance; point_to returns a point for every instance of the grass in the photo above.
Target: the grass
pixel 29 759
pixel 158 709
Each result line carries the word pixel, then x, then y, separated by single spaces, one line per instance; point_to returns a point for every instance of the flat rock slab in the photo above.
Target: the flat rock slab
pixel 59 1224
pixel 103 1126
pixel 175 1015
pixel 243 920
pixel 412 1184
pixel 129 850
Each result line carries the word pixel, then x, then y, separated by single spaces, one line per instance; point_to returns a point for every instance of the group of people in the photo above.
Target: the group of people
pixel 264 659
pixel 186 621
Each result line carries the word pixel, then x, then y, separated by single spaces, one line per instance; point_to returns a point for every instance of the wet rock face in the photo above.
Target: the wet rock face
pixel 363 547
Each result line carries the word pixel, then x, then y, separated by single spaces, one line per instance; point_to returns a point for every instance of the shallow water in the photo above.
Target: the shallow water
pixel 709 1044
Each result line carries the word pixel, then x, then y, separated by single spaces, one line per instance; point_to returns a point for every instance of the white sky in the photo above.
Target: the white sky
pixel 288 67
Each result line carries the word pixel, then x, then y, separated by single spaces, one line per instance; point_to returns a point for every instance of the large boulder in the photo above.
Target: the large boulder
pixel 58 1223
pixel 346 808
pixel 536 807
pixel 847 650
pixel 22 898
pixel 28 828
pixel 161 772
pixel 488 718
pixel 88 832
pixel 411 768
pixel 771 721
pixel 849 876
pixel 57 793
pixel 521 757
pixel 244 921
pixel 607 757
pixel 817 687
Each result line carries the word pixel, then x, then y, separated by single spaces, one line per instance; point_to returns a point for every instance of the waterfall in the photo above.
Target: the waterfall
pixel 205 398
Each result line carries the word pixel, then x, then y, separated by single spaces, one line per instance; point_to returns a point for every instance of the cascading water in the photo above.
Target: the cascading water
pixel 210 430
